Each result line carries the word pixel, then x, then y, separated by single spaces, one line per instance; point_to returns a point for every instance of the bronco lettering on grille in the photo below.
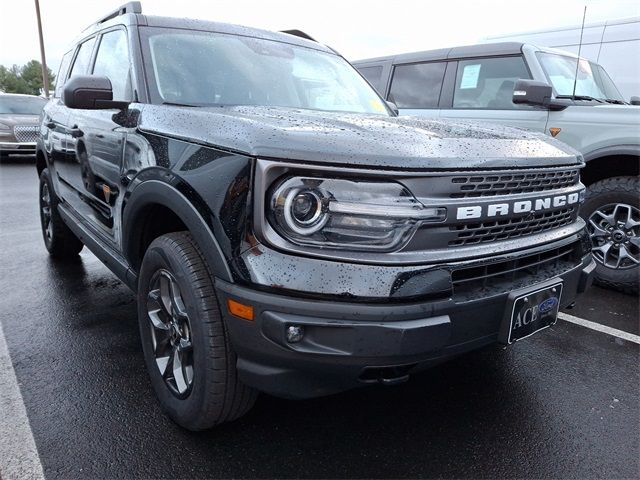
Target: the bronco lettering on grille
pixel 521 206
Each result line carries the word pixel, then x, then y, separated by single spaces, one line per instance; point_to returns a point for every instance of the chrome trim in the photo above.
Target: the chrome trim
pixel 17 144
pixel 26 133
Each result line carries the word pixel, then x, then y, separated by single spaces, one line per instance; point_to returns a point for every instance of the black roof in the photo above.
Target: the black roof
pixel 480 50
pixel 122 16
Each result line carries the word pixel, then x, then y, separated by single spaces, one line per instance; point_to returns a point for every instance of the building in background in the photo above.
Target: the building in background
pixel 614 44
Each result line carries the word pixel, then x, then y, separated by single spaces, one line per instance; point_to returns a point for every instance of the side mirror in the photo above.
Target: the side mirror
pixel 531 92
pixel 539 94
pixel 90 92
pixel 393 107
pixel 635 100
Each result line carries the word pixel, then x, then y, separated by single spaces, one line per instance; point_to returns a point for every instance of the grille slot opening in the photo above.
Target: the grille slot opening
pixel 475 233
pixel 493 185
pixel 495 278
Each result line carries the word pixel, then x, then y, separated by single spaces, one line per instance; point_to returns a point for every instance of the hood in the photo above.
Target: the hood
pixel 12 119
pixel 355 139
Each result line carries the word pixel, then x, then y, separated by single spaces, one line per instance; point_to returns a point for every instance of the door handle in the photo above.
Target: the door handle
pixel 51 125
pixel 76 132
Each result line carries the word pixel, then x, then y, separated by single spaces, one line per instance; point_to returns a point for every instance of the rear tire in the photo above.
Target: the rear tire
pixel 612 213
pixel 181 325
pixel 58 238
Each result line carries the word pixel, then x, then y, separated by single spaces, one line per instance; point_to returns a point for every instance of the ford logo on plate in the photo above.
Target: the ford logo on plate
pixel 548 305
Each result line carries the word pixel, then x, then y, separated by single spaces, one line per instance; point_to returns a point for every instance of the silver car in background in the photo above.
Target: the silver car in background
pixel 19 116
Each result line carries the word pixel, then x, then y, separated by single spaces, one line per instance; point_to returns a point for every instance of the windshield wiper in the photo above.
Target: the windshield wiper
pixel 616 102
pixel 580 97
pixel 181 104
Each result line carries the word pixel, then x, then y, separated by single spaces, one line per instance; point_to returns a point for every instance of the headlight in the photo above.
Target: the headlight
pixel 347 214
pixel 4 127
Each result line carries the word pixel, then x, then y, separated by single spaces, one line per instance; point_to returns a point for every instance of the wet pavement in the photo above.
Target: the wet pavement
pixel 564 403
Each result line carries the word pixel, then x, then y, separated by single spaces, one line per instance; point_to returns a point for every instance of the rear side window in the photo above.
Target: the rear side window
pixel 62 74
pixel 488 83
pixel 374 76
pixel 83 58
pixel 112 61
pixel 417 85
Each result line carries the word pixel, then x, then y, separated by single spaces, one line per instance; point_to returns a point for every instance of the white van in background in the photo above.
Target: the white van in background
pixel 614 44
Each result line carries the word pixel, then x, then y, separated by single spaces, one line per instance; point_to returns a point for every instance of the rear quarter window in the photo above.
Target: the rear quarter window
pixel 417 85
pixel 374 76
pixel 62 74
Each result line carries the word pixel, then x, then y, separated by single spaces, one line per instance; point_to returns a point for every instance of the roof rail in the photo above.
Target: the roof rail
pixel 299 33
pixel 131 7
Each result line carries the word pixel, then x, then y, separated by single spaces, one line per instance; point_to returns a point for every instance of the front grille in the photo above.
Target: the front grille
pixel 26 133
pixel 513 183
pixel 474 233
pixel 500 277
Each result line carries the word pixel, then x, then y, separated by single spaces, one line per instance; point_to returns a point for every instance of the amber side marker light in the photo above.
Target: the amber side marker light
pixel 554 131
pixel 240 310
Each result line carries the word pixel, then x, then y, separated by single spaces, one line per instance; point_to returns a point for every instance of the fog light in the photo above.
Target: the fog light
pixel 295 333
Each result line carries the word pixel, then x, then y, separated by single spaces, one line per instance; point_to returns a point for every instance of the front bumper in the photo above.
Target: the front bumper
pixel 26 148
pixel 349 344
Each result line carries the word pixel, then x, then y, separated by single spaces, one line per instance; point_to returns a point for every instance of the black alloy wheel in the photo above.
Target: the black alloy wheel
pixel 187 350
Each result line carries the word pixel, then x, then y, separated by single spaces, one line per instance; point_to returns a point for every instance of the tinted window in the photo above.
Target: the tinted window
pixel 21 104
pixel 112 61
pixel 488 82
pixel 81 64
pixel 374 75
pixel 417 85
pixel 62 74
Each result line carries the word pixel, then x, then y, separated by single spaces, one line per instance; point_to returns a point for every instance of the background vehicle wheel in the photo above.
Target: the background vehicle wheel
pixel 190 360
pixel 58 238
pixel 612 213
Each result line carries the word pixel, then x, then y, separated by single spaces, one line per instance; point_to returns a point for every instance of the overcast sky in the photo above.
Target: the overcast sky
pixel 356 28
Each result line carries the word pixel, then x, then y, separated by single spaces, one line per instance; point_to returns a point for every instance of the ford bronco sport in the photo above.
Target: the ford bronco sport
pixel 283 229
pixel 478 83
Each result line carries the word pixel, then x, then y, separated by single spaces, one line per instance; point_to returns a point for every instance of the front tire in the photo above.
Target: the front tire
pixel 58 238
pixel 190 360
pixel 612 213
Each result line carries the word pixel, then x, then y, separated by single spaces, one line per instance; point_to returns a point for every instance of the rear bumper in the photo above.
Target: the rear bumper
pixel 350 344
pixel 27 148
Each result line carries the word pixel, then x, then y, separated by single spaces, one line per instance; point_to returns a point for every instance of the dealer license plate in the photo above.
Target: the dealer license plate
pixel 530 311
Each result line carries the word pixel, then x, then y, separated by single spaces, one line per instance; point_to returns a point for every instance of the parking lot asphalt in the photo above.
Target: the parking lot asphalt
pixel 564 403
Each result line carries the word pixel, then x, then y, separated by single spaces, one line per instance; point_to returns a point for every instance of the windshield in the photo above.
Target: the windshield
pixel 20 105
pixel 205 69
pixel 592 80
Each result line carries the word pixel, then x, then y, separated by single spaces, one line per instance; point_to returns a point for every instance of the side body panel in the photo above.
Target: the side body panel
pixel 53 139
pixel 208 189
pixel 591 128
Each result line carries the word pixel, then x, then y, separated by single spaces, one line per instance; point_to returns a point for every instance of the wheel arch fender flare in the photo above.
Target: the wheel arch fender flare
pixel 629 149
pixel 156 192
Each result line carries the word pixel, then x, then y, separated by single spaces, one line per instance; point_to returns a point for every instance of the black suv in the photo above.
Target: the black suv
pixel 284 230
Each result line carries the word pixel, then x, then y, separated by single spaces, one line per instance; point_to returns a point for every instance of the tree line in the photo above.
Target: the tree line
pixel 24 79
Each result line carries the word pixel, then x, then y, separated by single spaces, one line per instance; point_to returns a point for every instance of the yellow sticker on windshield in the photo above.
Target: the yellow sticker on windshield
pixel 377 105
